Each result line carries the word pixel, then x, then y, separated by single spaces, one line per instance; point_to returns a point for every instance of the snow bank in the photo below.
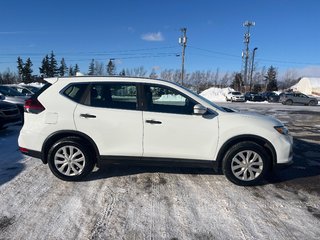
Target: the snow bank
pixel 216 94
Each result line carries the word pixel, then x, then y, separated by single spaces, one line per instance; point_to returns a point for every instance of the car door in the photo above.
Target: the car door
pixel 171 130
pixel 110 116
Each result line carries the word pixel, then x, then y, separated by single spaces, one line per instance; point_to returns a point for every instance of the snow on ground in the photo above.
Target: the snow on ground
pixel 216 94
pixel 157 203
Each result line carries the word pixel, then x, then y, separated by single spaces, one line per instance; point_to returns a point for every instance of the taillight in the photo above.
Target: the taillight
pixel 32 105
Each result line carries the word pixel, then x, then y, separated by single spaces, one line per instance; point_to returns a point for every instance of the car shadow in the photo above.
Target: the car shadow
pixel 10 156
pixel 109 171
pixel 306 165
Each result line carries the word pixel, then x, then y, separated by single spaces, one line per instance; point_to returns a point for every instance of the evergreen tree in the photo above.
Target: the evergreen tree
pixel 271 79
pixel 111 68
pixel 53 69
pixel 45 67
pixel 91 68
pixel 76 69
pixel 71 71
pixel 20 67
pixel 122 73
pixel 63 69
pixel 27 71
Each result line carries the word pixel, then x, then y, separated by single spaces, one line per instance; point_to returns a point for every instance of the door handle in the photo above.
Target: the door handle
pixel 153 122
pixel 86 115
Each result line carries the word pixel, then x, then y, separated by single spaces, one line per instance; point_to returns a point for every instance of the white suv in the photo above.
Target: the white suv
pixel 75 123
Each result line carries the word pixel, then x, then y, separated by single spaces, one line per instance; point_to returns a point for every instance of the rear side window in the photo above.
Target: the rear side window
pixel 113 95
pixel 75 92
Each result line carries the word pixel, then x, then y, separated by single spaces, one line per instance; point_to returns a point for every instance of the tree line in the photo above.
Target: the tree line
pixel 263 80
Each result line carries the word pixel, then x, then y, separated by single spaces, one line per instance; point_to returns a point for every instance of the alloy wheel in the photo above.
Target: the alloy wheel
pixel 247 165
pixel 69 160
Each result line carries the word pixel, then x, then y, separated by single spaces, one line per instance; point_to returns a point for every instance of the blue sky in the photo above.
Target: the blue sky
pixel 145 33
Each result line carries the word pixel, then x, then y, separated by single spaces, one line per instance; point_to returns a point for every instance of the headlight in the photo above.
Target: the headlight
pixel 282 129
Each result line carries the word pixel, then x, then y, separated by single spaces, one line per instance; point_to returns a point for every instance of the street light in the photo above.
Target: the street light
pixel 252 63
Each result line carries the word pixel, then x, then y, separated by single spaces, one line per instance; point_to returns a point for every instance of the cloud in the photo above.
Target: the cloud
pixel 152 37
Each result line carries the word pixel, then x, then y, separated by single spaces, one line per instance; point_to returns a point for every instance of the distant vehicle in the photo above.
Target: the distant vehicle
pixel 270 96
pixel 9 113
pixel 75 123
pixel 13 96
pixel 23 90
pixel 253 96
pixel 235 97
pixel 32 88
pixel 296 97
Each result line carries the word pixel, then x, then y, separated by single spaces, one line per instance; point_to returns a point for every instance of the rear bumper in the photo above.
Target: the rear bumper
pixel 31 153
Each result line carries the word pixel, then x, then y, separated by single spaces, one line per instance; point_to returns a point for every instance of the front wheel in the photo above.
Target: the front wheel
pixel 245 163
pixel 70 160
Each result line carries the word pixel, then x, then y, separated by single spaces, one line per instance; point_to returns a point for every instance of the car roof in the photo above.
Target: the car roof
pixel 88 78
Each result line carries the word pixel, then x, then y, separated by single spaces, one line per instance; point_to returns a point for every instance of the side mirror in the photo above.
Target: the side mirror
pixel 198 109
pixel 2 97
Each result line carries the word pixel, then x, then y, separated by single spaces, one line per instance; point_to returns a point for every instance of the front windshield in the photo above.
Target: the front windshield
pixel 236 93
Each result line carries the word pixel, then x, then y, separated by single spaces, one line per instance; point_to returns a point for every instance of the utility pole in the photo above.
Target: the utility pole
pixel 183 43
pixel 245 54
pixel 252 65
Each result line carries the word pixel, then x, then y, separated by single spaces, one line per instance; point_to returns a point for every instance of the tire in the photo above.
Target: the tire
pixel 312 103
pixel 245 163
pixel 69 159
pixel 288 102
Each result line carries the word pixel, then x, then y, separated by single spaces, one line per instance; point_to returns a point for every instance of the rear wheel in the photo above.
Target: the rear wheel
pixel 289 102
pixel 70 160
pixel 245 163
pixel 312 103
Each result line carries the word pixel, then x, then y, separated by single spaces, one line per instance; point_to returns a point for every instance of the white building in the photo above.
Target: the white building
pixel 308 86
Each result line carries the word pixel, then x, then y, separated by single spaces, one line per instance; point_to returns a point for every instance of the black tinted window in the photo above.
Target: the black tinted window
pixel 113 95
pixel 75 91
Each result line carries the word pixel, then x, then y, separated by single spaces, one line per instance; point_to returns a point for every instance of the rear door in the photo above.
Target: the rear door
pixel 110 116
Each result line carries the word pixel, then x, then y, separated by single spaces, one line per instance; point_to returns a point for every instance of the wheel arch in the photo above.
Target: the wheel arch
pixel 54 137
pixel 242 138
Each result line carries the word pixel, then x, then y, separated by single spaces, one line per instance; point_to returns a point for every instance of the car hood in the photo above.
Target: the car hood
pixel 254 117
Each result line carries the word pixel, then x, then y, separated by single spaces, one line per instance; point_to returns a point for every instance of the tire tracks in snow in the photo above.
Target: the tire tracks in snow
pixel 103 222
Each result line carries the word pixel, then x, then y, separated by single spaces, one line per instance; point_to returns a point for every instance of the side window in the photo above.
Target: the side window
pixel 167 100
pixel 113 95
pixel 75 91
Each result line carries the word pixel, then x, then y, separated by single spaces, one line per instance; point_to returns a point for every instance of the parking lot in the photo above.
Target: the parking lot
pixel 120 202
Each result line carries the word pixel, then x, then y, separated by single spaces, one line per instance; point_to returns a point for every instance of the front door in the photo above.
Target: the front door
pixel 171 130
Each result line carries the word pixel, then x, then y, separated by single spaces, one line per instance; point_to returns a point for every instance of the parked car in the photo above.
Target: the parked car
pixel 235 97
pixel 21 89
pixel 270 96
pixel 296 97
pixel 13 96
pixel 74 123
pixel 253 96
pixel 9 113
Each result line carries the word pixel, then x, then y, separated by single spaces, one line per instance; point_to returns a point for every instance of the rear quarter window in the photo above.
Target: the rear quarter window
pixel 75 92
